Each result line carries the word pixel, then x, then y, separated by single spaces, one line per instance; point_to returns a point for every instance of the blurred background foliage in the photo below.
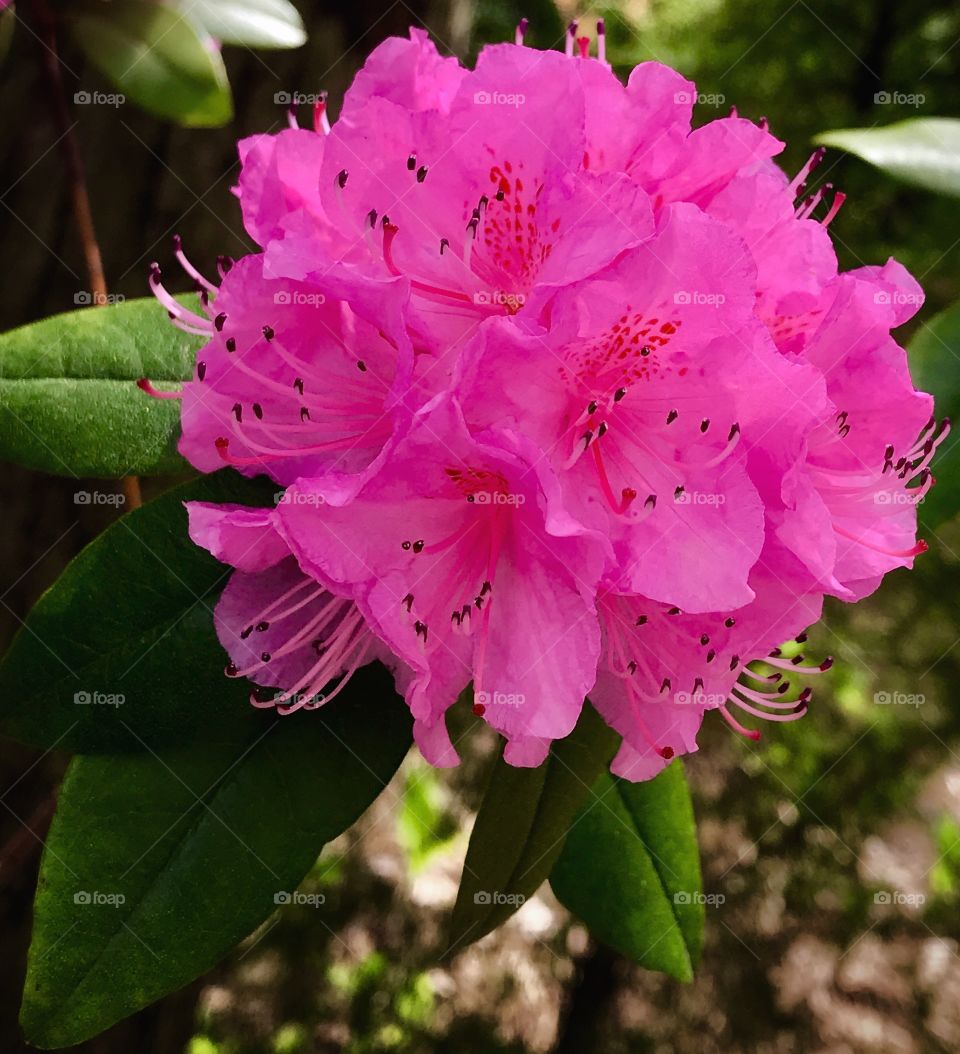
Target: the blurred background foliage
pixel 834 843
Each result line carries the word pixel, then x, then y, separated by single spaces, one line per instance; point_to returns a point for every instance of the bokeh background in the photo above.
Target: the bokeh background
pixel 834 844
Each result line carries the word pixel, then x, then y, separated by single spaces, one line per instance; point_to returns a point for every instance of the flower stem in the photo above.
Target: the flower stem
pixel 73 160
pixel 77 184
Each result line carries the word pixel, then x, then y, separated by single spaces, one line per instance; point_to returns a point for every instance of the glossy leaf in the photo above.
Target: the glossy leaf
pixel 924 151
pixel 522 823
pixel 69 403
pixel 156 866
pixel 120 653
pixel 630 869
pixel 935 365
pixel 158 59
pixel 253 23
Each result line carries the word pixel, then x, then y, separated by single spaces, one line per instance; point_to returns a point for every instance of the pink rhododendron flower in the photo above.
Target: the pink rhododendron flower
pixel 566 399
pixel 662 669
pixel 624 391
pixel 281 629
pixel 462 556
pixel 297 378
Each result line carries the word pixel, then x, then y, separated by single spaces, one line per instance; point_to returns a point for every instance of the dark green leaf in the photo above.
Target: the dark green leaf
pixel 123 646
pixel 924 151
pixel 935 365
pixel 521 826
pixel 630 869
pixel 158 59
pixel 200 844
pixel 69 403
pixel 253 23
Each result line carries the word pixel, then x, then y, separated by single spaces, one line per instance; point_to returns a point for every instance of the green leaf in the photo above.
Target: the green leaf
pixel 122 649
pixel 157 58
pixel 521 826
pixel 200 844
pixel 69 403
pixel 935 365
pixel 630 869
pixel 923 151
pixel 252 23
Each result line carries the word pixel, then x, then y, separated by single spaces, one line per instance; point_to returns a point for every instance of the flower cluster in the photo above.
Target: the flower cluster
pixel 565 399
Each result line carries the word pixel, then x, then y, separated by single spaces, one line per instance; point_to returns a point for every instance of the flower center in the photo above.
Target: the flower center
pixel 332 627
pixel 460 573
pixel 617 411
pixel 868 495
pixel 648 644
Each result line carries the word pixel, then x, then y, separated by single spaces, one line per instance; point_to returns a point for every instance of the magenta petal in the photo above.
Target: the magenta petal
pixel 238 535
